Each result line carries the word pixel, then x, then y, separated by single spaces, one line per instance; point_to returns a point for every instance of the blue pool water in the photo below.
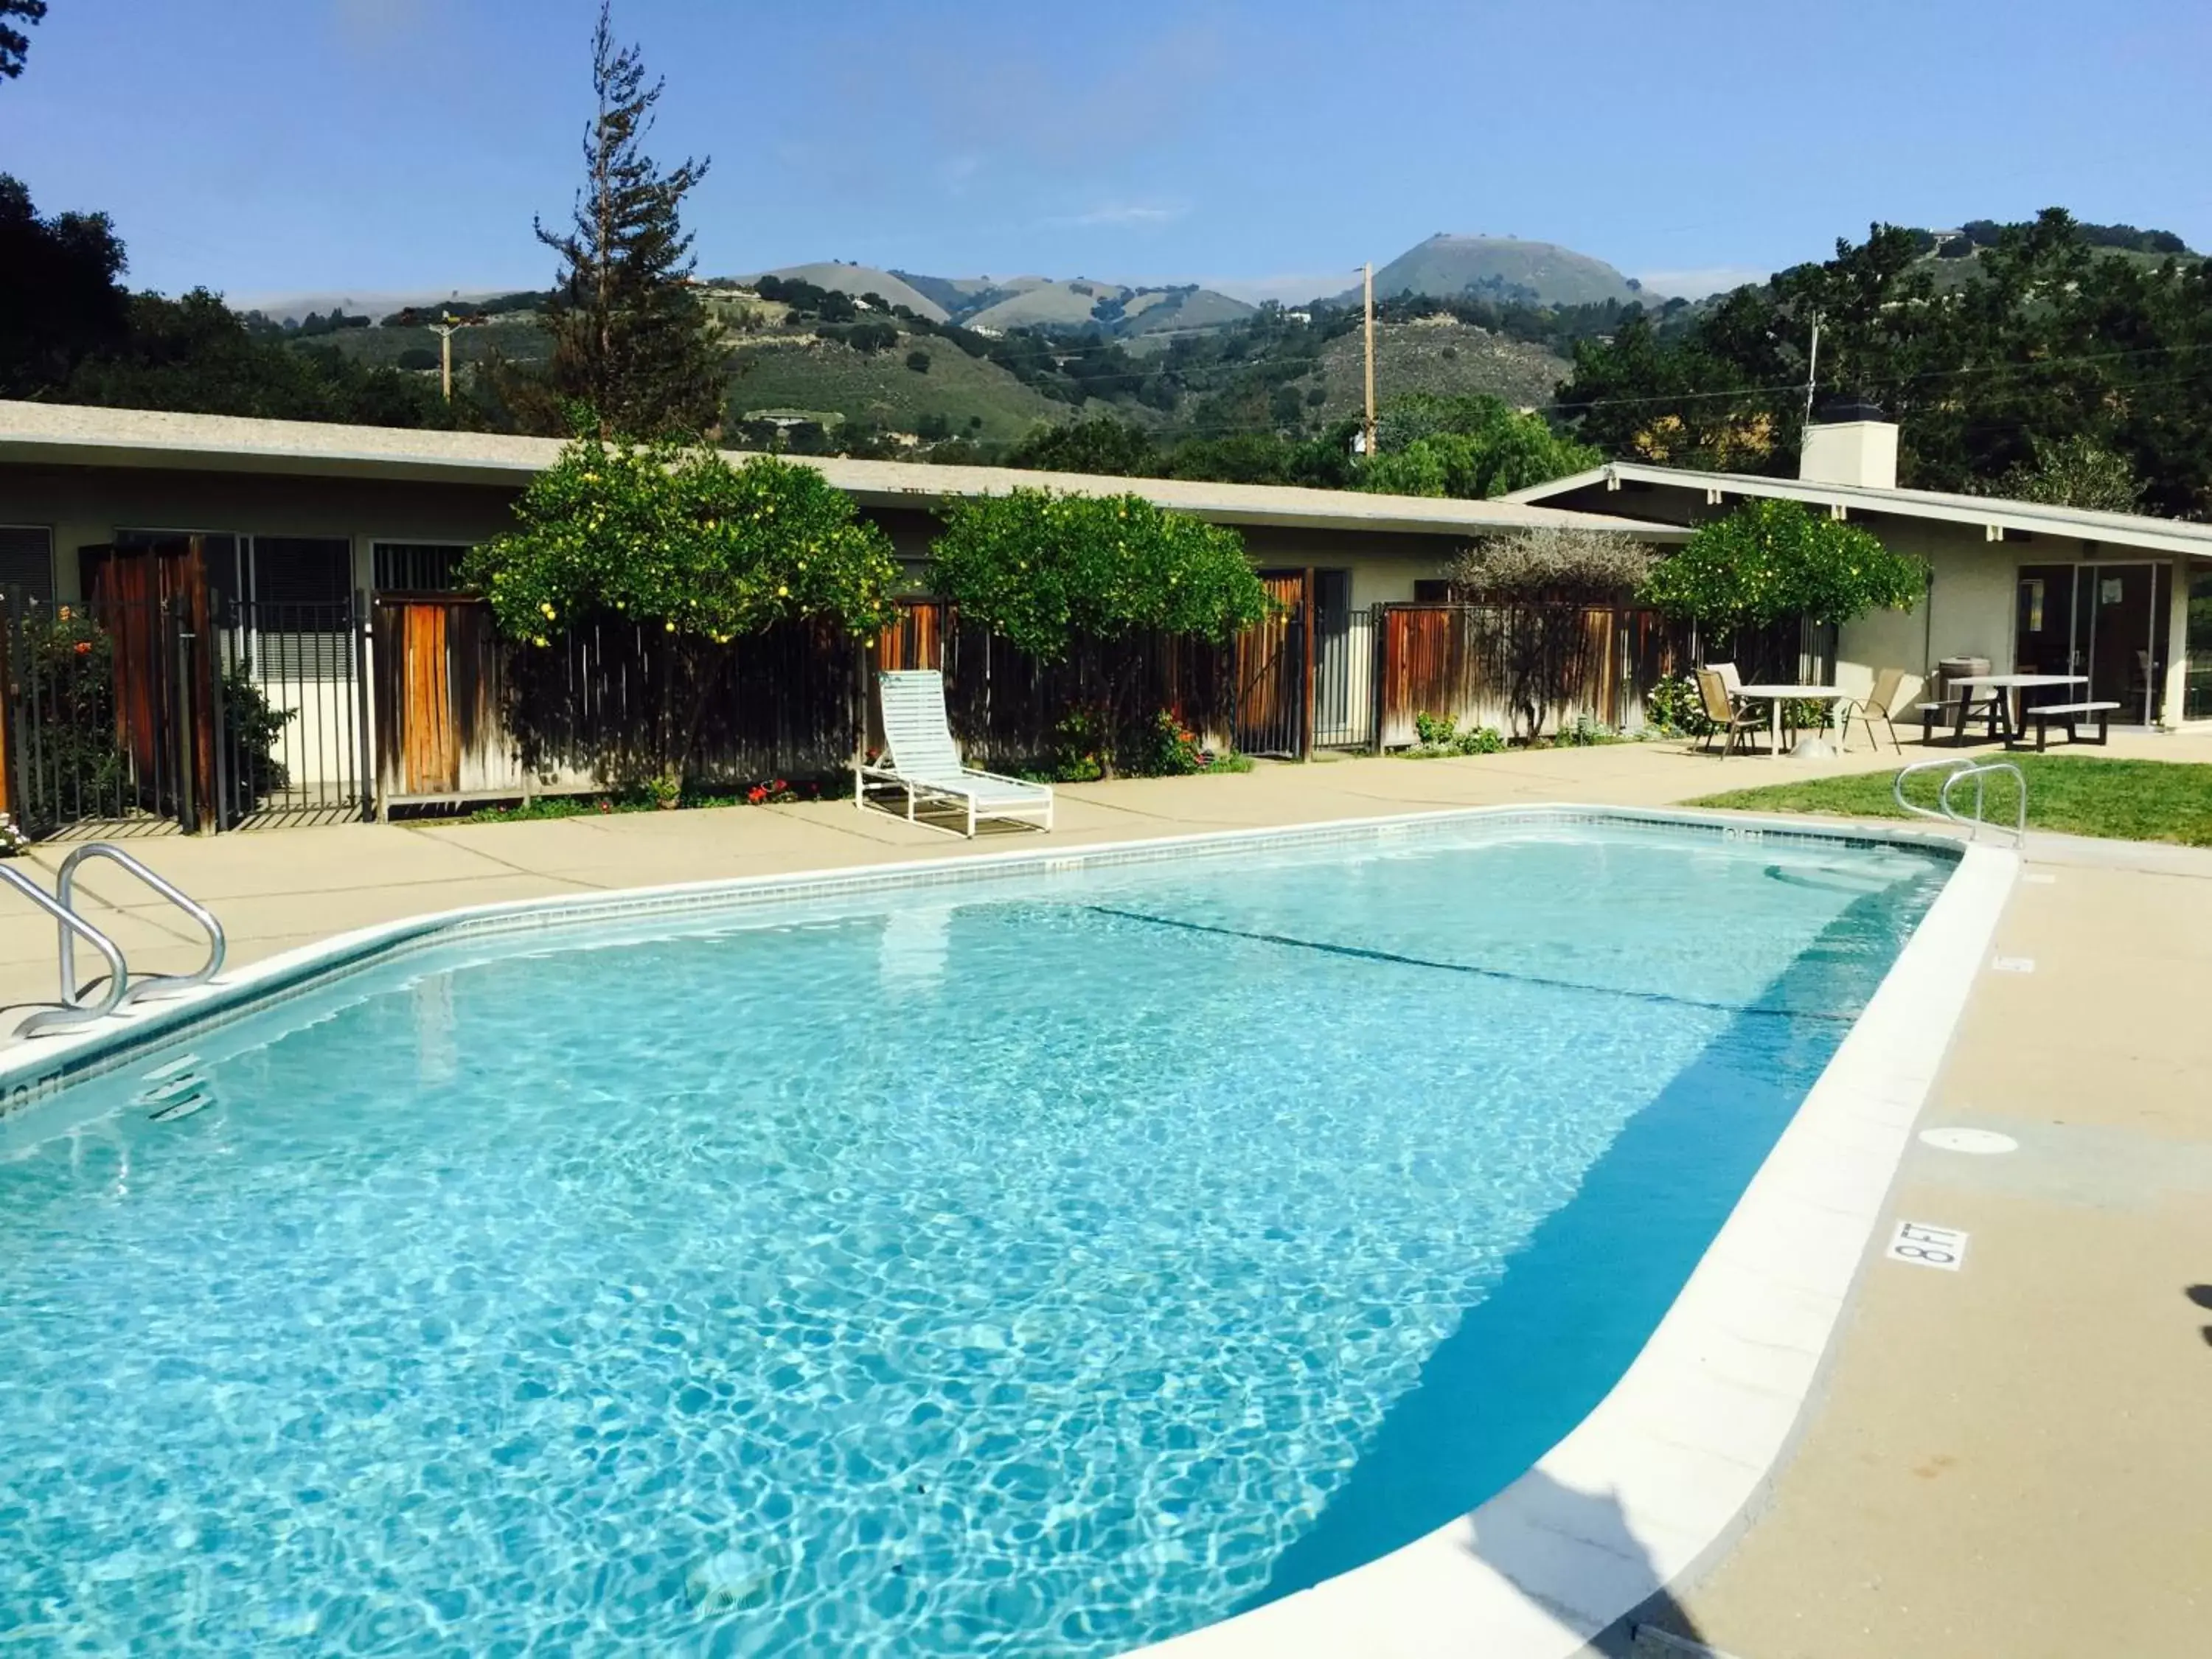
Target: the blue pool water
pixel 1041 1266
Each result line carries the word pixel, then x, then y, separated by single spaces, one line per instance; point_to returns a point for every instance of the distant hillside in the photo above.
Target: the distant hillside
pixel 1440 355
pixel 857 280
pixel 1119 312
pixel 956 395
pixel 1503 268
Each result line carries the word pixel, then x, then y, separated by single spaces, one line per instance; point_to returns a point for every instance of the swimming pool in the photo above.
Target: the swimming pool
pixel 1048 1263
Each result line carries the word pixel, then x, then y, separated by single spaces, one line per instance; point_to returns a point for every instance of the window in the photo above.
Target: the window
pixel 26 562
pixel 418 567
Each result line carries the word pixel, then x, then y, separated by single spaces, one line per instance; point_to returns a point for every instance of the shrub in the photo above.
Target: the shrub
pixel 682 541
pixel 1082 578
pixel 1769 559
pixel 1439 734
pixel 1674 708
pixel 918 362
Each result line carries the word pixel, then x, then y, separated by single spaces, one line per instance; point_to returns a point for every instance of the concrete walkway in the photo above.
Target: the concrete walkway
pixel 2014 1458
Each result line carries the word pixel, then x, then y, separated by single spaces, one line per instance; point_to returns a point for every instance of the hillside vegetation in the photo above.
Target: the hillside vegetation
pixel 1501 268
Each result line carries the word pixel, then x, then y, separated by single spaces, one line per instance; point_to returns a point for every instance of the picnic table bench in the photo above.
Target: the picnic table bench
pixel 2070 714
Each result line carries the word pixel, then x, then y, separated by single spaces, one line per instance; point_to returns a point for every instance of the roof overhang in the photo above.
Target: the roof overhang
pixel 55 435
pixel 1994 514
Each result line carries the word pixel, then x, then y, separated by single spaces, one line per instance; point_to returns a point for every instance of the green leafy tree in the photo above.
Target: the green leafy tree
pixel 1772 560
pixel 2074 472
pixel 1102 446
pixel 13 42
pixel 697 552
pixel 2046 334
pixel 60 298
pixel 1083 578
pixel 1474 447
pixel 631 341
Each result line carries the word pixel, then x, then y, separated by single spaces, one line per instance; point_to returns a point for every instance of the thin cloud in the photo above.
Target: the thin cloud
pixel 1124 216
pixel 1697 283
pixel 380 26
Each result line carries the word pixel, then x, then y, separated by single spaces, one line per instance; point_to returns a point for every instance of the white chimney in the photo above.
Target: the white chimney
pixel 1850 444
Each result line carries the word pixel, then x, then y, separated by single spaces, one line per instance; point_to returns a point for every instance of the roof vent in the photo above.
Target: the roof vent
pixel 1850 441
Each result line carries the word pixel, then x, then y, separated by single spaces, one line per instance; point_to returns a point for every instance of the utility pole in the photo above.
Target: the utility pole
pixel 445 332
pixel 1367 284
pixel 1812 368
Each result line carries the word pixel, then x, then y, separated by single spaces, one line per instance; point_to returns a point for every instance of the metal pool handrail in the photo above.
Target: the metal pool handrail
pixel 146 984
pixel 1963 768
pixel 72 1012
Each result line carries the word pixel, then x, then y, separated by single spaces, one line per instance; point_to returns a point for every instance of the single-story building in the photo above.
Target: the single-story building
pixel 2122 597
pixel 304 512
pixel 294 525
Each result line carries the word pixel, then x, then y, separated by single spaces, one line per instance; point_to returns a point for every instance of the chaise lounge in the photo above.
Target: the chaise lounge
pixel 920 760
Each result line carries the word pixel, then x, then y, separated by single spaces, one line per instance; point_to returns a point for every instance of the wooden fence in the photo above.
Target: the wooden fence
pixel 461 715
pixel 1525 668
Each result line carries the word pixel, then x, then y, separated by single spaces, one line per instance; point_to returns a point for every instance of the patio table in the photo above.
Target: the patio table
pixel 1776 696
pixel 2011 686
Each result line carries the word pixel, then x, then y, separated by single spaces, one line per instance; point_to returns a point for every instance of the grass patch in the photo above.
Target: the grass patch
pixel 2116 799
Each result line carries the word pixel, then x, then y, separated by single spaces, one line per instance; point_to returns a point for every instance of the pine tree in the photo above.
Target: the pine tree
pixel 631 342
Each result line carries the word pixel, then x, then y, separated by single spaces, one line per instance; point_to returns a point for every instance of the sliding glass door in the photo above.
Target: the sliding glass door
pixel 2106 621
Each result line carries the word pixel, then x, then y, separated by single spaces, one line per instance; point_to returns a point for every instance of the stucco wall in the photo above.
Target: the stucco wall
pixel 85 506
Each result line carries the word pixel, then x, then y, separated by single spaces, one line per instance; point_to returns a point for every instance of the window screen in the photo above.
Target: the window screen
pixel 417 566
pixel 301 570
pixel 27 562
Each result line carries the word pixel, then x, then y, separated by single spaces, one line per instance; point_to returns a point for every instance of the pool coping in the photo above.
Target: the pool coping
pixel 1657 1478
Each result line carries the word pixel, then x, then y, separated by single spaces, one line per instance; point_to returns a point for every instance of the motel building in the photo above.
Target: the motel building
pixel 2121 599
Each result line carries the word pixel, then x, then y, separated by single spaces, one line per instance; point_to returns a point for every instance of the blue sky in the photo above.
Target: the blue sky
pixel 382 147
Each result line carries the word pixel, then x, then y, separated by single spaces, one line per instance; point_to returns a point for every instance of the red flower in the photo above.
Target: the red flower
pixel 84 647
pixel 756 794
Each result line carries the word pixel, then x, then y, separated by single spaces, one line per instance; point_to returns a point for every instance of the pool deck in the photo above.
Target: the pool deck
pixel 2014 1458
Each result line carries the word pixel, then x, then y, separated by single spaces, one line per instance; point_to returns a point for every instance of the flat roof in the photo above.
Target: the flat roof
pixel 70 435
pixel 1999 512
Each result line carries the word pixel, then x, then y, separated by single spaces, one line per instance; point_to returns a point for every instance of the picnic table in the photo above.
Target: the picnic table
pixel 1776 696
pixel 2008 714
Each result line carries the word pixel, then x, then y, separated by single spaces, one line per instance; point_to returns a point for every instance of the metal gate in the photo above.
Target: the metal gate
pixel 158 706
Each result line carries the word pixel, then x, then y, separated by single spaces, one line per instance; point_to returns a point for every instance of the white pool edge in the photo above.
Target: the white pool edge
pixel 1655 1477
pixel 1653 1483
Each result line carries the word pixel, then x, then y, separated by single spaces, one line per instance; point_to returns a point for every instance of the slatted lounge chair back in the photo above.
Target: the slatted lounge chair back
pixel 916 733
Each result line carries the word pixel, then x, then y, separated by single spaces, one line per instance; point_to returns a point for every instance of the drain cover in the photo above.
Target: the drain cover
pixel 1984 1142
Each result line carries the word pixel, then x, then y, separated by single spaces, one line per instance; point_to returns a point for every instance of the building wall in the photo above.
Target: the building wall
pixel 1971 609
pixel 85 506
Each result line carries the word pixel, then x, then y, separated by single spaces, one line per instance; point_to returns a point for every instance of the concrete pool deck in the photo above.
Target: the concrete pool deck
pixel 2012 1458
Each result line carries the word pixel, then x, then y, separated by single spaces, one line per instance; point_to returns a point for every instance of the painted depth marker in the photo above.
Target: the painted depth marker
pixel 1924 1246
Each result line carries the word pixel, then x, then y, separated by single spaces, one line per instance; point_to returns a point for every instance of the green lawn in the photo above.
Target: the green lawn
pixel 2121 799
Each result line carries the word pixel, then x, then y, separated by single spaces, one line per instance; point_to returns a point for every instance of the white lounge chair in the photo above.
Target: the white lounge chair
pixel 920 760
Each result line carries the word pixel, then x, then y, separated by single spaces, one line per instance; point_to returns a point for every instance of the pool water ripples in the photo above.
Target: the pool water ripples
pixel 975 1272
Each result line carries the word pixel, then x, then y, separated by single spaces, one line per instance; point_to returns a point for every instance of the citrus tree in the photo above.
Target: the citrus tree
pixel 697 552
pixel 1081 578
pixel 1772 560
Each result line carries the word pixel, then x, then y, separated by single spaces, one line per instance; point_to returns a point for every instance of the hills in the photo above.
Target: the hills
pixel 1117 310
pixel 1501 268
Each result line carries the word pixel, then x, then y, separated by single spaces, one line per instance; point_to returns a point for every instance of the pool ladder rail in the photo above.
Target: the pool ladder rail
pixel 1960 768
pixel 79 1006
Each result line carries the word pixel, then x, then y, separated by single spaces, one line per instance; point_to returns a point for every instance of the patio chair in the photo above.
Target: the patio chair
pixel 1732 679
pixel 920 760
pixel 1729 719
pixel 1892 687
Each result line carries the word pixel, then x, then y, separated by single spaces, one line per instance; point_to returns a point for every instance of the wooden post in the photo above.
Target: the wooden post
pixel 7 714
pixel 1307 629
pixel 1368 286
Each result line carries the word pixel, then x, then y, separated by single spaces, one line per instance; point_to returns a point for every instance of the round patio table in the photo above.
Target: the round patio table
pixel 1776 696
